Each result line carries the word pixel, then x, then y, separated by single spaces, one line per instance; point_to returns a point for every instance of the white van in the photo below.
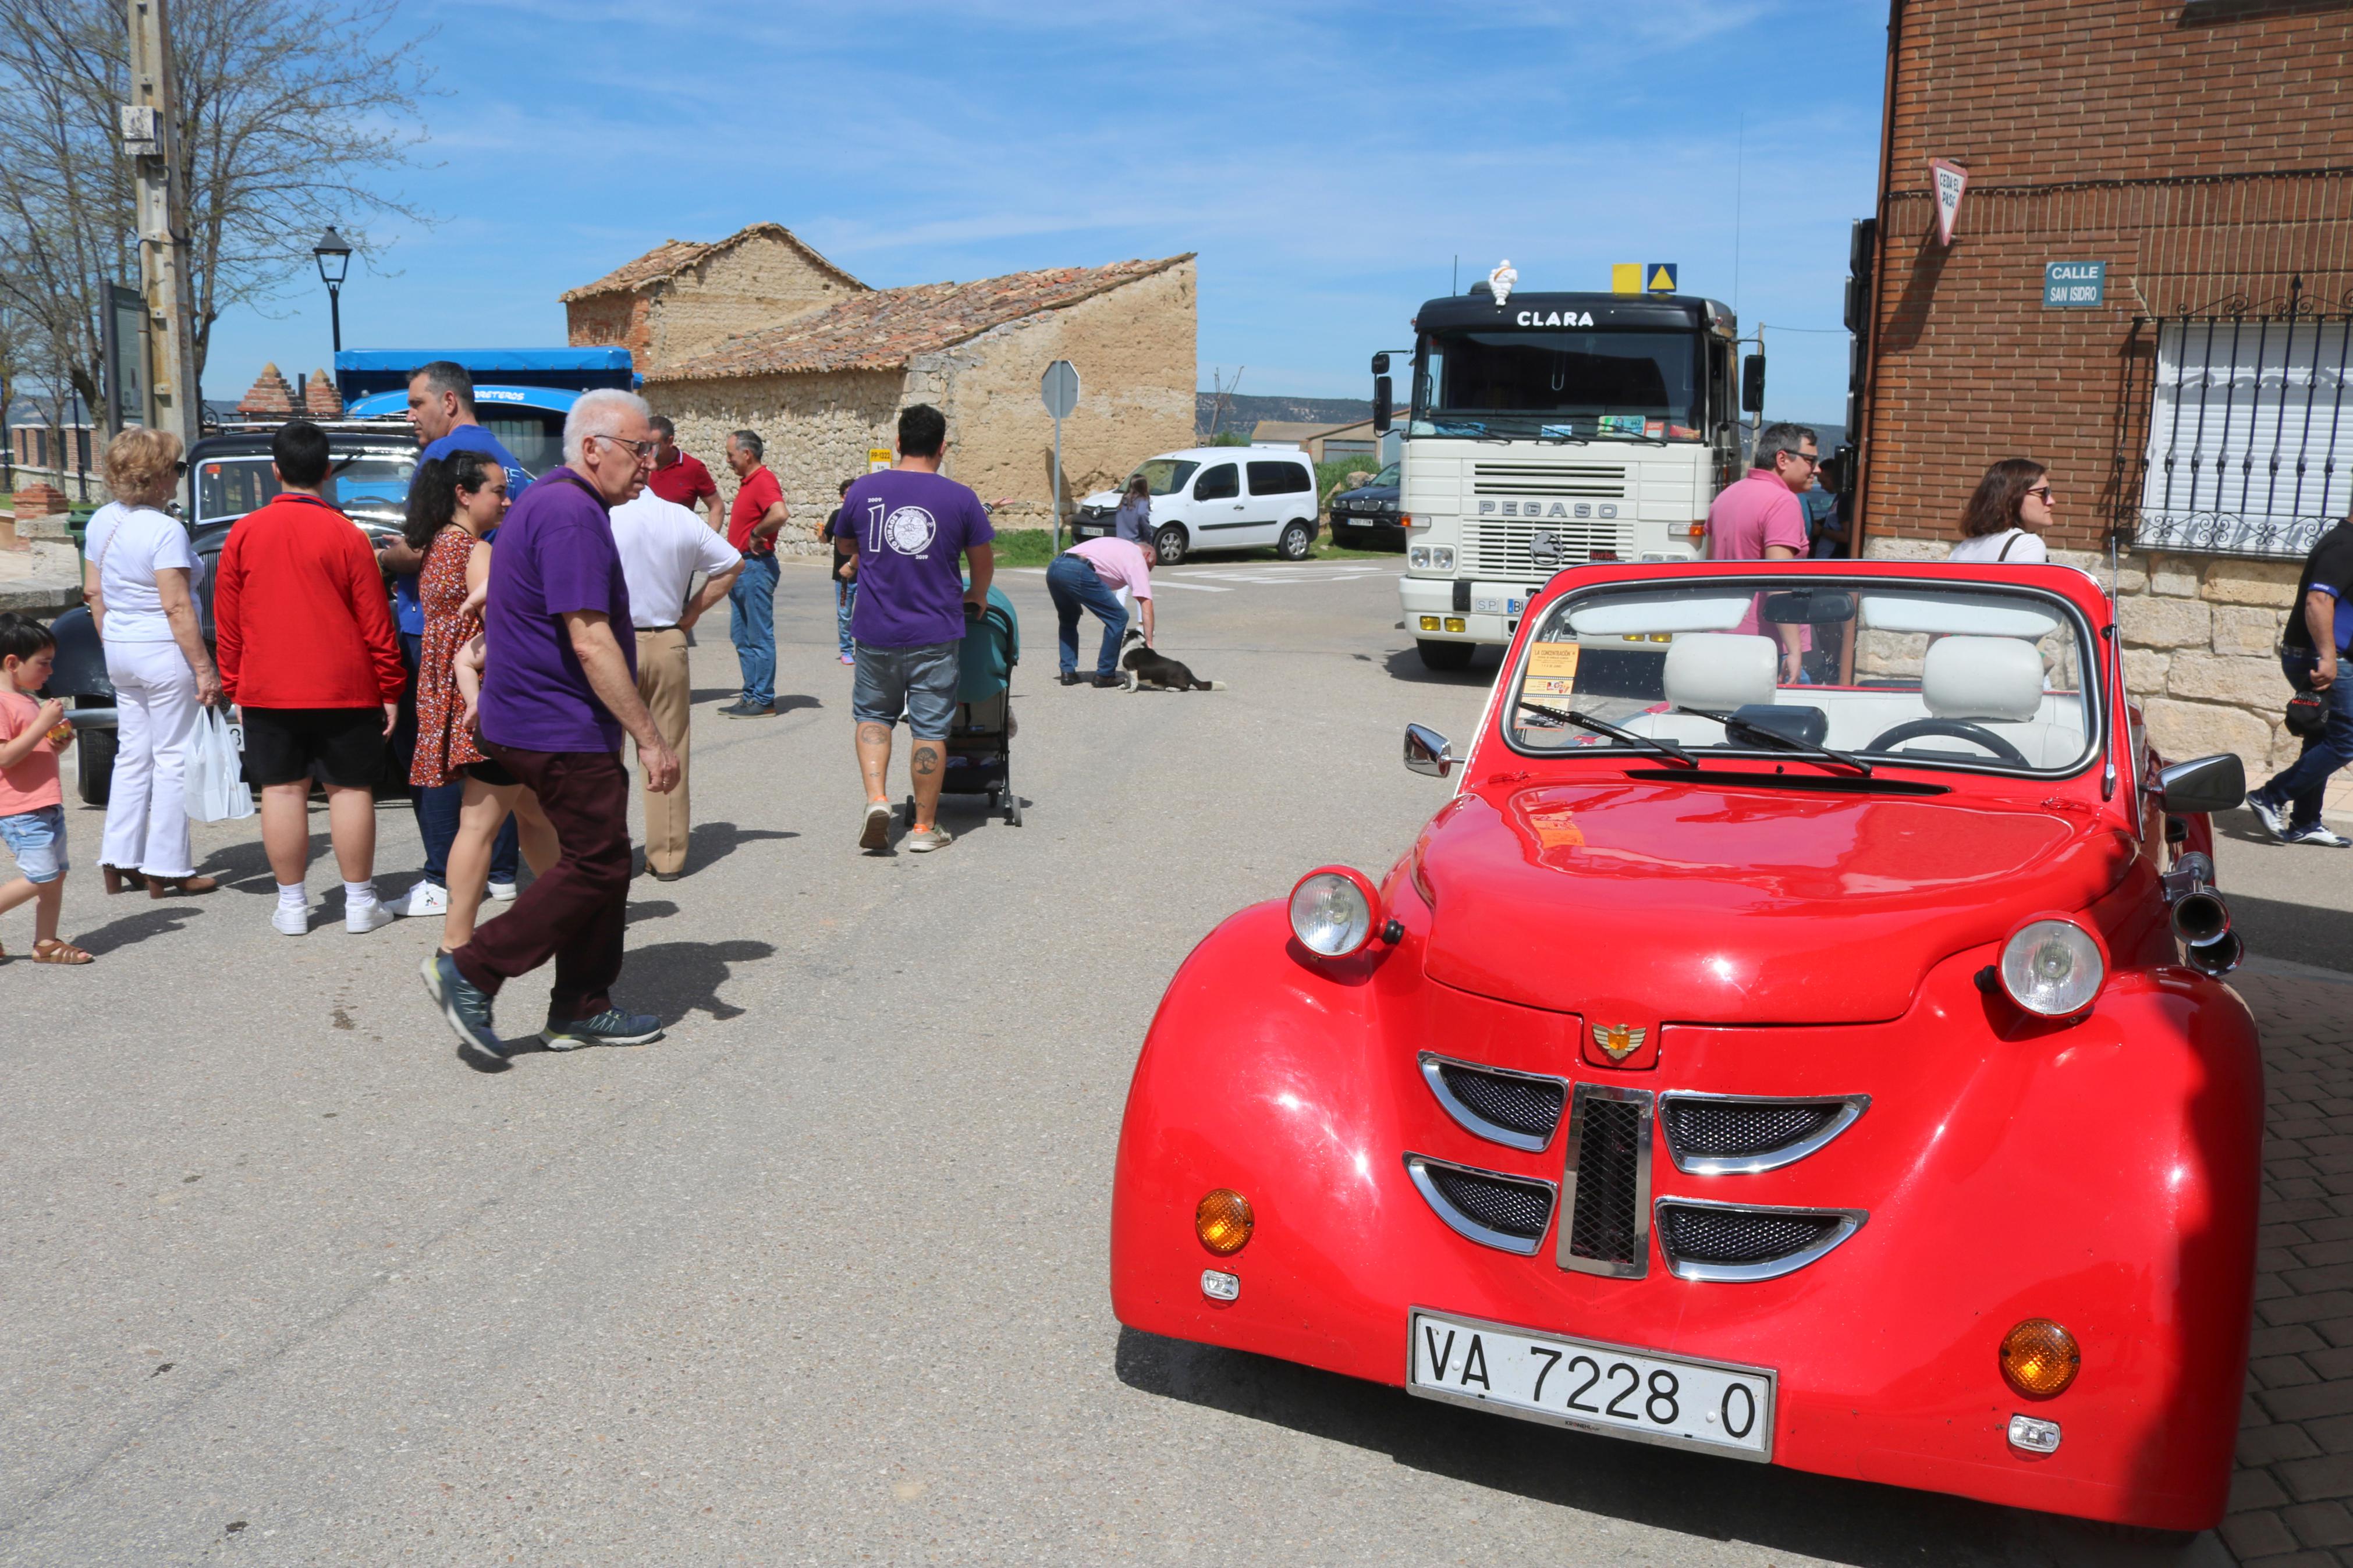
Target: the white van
pixel 1218 498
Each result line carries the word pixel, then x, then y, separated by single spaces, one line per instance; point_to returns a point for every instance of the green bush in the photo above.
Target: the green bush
pixel 1332 474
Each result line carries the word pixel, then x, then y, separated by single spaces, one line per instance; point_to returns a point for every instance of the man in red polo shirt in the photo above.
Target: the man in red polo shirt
pixel 679 477
pixel 751 528
pixel 306 651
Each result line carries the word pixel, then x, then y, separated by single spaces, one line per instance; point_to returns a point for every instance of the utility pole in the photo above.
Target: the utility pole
pixel 149 136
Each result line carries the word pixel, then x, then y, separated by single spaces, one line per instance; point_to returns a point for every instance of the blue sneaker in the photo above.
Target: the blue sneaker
pixel 610 1027
pixel 468 1008
pixel 2273 817
pixel 2314 833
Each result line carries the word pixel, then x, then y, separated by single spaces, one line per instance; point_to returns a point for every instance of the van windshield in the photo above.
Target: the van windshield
pixel 1167 476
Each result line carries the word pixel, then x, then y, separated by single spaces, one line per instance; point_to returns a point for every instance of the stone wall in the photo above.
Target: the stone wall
pixel 817 428
pixel 1134 347
pixel 609 320
pixel 2200 651
pixel 760 282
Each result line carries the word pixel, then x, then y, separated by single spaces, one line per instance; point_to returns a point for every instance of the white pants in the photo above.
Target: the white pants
pixel 147 813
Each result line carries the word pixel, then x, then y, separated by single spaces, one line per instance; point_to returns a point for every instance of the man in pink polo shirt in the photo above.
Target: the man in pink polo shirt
pixel 1761 518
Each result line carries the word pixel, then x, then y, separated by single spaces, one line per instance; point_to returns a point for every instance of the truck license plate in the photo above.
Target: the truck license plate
pixel 1593 1387
pixel 1490 604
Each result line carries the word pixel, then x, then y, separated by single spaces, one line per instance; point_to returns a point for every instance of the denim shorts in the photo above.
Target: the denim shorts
pixel 37 840
pixel 920 681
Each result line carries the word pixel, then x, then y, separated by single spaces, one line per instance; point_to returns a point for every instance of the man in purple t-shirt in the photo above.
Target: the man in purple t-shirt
pixel 1760 518
pixel 912 529
pixel 559 688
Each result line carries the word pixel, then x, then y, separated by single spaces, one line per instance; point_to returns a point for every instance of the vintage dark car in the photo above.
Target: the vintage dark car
pixel 1828 1074
pixel 1368 514
pixel 228 474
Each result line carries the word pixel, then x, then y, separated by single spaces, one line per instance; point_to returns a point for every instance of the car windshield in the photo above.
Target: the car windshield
pixel 1388 476
pixel 1920 674
pixel 1559 385
pixel 370 484
pixel 1167 476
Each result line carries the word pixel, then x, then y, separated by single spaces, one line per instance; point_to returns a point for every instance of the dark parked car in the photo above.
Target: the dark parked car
pixel 228 475
pixel 1368 514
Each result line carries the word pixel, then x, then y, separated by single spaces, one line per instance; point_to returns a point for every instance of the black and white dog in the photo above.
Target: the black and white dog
pixel 1146 668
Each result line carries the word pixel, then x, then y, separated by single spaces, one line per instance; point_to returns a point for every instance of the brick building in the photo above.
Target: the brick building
pixel 2197 418
pixel 824 386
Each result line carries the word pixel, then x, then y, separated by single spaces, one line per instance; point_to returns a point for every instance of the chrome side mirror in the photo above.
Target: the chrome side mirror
pixel 2208 784
pixel 1428 751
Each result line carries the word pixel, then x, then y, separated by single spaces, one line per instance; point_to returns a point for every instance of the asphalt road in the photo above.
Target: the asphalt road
pixel 819 1278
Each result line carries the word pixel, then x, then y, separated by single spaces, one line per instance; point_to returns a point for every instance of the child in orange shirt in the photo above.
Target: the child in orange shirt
pixel 32 802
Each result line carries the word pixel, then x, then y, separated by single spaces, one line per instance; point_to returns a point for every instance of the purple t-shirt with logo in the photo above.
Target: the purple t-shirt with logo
pixel 554 553
pixel 911 529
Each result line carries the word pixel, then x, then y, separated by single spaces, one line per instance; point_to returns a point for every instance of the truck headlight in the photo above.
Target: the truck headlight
pixel 1332 911
pixel 2052 967
pixel 1419 556
pixel 1441 557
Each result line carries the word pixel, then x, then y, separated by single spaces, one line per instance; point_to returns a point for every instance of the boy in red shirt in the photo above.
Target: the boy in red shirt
pixel 32 802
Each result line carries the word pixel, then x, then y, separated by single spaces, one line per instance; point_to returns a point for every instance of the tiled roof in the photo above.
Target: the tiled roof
pixel 672 257
pixel 883 329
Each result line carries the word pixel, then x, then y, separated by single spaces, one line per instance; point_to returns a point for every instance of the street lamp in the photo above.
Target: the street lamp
pixel 334 253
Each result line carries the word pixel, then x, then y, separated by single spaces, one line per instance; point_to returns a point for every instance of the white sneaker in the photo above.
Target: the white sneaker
pixel 502 891
pixel 290 921
pixel 366 918
pixel 426 898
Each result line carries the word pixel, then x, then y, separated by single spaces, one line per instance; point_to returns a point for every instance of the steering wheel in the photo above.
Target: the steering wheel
pixel 1954 728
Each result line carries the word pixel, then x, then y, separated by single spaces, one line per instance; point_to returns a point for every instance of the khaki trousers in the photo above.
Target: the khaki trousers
pixel 668 689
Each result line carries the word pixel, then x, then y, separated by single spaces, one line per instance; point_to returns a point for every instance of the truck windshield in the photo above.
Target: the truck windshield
pixel 1559 385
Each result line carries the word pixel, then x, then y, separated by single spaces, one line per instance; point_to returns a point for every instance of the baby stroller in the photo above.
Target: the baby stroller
pixel 981 741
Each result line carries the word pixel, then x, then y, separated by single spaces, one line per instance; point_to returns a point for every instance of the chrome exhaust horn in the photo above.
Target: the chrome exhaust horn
pixel 2201 919
pixel 2218 957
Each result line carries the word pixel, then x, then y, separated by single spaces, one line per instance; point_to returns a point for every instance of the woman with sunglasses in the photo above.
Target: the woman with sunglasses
pixel 2007 518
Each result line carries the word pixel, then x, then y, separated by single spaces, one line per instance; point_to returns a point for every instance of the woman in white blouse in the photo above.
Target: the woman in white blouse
pixel 140 575
pixel 2008 516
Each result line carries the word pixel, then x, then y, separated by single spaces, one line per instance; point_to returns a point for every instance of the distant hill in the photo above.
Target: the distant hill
pixel 1242 413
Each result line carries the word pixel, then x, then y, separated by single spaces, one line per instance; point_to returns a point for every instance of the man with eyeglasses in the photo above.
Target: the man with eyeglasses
pixel 559 689
pixel 751 528
pixel 1760 519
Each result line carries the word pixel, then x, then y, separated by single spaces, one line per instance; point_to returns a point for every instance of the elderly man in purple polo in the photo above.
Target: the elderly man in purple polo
pixel 559 688
pixel 1760 518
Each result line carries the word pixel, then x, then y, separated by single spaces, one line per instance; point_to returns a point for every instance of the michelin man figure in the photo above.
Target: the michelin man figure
pixel 1501 280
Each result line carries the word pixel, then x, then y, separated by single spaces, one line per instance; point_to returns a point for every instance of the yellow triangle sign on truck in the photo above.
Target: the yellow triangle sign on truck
pixel 1663 278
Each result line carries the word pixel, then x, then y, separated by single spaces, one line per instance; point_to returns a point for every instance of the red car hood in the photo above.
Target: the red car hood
pixel 1649 903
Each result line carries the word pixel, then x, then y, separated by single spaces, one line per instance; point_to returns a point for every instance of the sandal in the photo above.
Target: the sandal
pixel 53 950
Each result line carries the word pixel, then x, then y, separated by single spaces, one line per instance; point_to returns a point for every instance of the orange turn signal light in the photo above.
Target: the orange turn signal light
pixel 2039 1359
pixel 1222 1220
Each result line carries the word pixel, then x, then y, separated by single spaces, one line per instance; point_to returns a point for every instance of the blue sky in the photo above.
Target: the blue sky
pixel 1327 162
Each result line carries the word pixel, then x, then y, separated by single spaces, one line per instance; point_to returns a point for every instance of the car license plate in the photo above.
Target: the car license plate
pixel 1593 1387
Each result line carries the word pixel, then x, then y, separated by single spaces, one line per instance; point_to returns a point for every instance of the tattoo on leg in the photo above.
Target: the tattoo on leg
pixel 927 759
pixel 873 733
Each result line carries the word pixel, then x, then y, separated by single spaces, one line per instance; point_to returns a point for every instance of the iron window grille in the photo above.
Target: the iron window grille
pixel 2247 445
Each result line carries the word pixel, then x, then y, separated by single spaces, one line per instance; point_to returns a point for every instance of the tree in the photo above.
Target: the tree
pixel 292 115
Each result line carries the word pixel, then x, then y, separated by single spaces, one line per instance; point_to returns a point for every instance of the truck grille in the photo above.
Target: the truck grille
pixel 1605 481
pixel 1718 1135
pixel 1507 1213
pixel 1506 551
pixel 1606 1191
pixel 1725 1242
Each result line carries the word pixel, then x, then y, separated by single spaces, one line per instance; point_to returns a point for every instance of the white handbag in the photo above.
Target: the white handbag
pixel 216 791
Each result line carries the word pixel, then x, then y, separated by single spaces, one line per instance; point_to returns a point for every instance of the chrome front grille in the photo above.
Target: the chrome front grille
pixel 1606 1190
pixel 1508 1213
pixel 1517 1109
pixel 1605 481
pixel 1732 1135
pixel 1506 551
pixel 1702 1239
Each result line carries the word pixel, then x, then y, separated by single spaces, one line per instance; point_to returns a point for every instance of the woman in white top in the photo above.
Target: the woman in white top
pixel 2007 518
pixel 141 573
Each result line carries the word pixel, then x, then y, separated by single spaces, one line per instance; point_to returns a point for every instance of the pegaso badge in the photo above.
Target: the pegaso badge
pixel 1621 1040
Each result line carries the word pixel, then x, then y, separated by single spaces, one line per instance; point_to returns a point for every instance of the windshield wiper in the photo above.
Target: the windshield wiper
pixel 1773 739
pixel 1587 722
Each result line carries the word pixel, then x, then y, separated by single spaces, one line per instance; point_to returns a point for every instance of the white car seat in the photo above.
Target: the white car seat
pixel 1997 683
pixel 1716 670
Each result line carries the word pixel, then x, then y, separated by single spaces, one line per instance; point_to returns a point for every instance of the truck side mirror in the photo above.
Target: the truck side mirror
pixel 1752 385
pixel 1381 403
pixel 1381 363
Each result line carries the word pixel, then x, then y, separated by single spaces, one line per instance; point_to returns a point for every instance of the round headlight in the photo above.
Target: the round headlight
pixel 1332 911
pixel 1418 555
pixel 2052 967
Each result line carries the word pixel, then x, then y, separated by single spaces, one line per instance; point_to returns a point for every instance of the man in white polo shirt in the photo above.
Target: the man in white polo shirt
pixel 662 545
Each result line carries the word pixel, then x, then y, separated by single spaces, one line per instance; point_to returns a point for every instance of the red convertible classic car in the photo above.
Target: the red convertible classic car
pixel 1828 1072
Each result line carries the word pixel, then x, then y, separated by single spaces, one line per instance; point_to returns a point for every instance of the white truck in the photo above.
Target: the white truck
pixel 1549 430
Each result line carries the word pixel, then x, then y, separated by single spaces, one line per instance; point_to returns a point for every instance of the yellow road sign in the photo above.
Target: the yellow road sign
pixel 1626 278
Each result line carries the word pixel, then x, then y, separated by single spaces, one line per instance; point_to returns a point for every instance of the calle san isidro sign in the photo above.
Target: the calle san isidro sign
pixel 2074 285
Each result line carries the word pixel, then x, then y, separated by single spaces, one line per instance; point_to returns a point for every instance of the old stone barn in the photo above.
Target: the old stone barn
pixel 758 332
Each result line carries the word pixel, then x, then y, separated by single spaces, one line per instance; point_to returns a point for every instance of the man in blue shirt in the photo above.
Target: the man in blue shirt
pixel 2315 644
pixel 441 411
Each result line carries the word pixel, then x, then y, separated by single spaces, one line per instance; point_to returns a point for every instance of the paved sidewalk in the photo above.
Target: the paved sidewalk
pixel 2291 1500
